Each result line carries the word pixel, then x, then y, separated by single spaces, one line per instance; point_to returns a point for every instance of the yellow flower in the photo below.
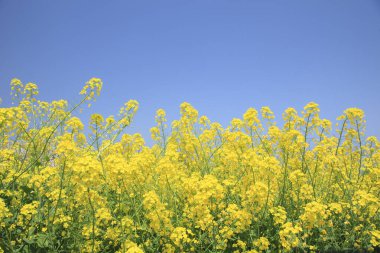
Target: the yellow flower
pixel 92 89
pixel 279 215
pixel 251 117
pixel 262 243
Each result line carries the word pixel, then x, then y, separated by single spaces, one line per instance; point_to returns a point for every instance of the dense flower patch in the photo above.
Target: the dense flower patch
pixel 250 187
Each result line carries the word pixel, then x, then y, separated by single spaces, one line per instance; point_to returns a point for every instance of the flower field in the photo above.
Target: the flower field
pixel 253 186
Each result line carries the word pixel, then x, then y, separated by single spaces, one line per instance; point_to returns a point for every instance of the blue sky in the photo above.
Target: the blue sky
pixel 221 56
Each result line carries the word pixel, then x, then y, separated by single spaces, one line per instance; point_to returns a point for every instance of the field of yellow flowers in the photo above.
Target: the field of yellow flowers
pixel 309 185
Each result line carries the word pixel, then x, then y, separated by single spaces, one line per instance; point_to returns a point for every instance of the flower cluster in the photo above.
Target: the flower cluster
pixel 253 186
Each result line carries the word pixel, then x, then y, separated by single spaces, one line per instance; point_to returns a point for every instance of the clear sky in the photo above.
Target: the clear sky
pixel 221 56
